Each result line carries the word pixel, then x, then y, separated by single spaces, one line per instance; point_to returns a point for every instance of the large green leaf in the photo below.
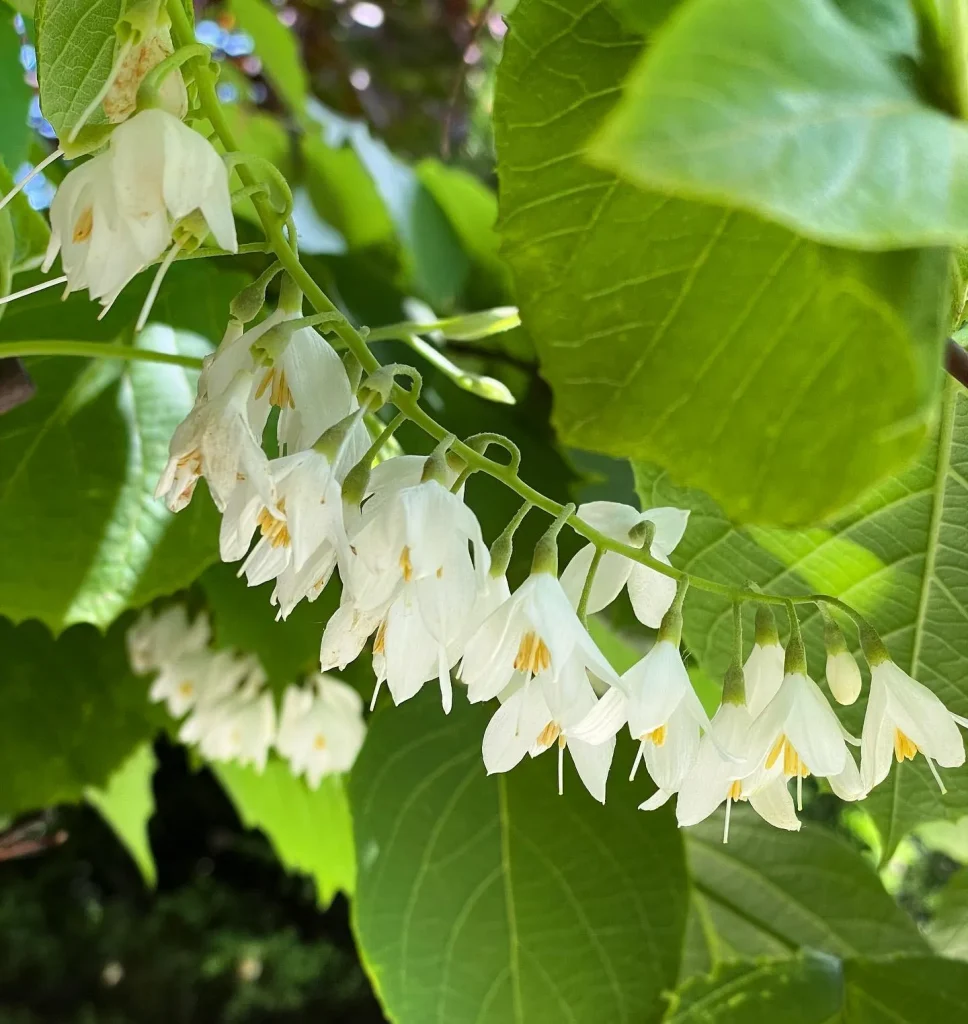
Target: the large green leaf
pixel 494 900
pixel 75 52
pixel 822 990
pixel 809 990
pixel 72 713
pixel 900 556
pixel 727 349
pixel 310 830
pixel 772 892
pixel 789 110
pixel 84 538
pixel 948 929
pixel 127 803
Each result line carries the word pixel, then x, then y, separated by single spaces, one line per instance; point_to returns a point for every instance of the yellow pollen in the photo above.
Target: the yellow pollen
pixel 83 226
pixel 533 655
pixel 735 791
pixel 186 689
pixel 549 734
pixel 406 566
pixel 440 572
pixel 792 765
pixel 275 383
pixel 319 743
pixel 275 531
pixel 905 749
pixel 656 736
pixel 380 639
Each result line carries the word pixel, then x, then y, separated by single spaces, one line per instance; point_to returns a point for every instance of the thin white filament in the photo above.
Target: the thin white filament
pixel 376 693
pixel 635 764
pixel 19 187
pixel 33 288
pixel 799 792
pixel 729 806
pixel 937 777
pixel 561 769
pixel 101 93
pixel 155 285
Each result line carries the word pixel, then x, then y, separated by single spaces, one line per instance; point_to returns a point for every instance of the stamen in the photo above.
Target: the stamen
pixel 735 791
pixel 656 736
pixel 905 749
pixel 561 766
pixel 635 763
pixel 53 283
pixel 19 187
pixel 533 655
pixel 264 383
pixel 937 777
pixel 406 566
pixel 379 641
pixel 799 792
pixel 549 734
pixel 156 285
pixel 319 743
pixel 729 807
pixel 275 531
pixel 775 752
pixel 186 689
pixel 376 693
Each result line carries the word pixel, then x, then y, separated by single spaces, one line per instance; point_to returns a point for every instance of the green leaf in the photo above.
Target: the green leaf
pixel 900 556
pixel 789 110
pixel 772 892
pixel 127 803
pixel 310 830
pixel 72 713
pixel 948 930
pixel 15 133
pixel 821 990
pixel 907 990
pixel 30 231
pixel 736 354
pixel 84 537
pixel 75 54
pixel 806 990
pixel 493 899
pixel 278 50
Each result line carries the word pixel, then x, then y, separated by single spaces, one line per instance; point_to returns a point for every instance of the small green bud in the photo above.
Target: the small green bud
pixel 643 534
pixel 833 635
pixel 247 305
pixel 766 632
pixel 501 551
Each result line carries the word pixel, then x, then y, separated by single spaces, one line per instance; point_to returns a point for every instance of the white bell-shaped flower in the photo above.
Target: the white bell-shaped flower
pixel 537 713
pixel 650 592
pixel 321 728
pixel 192 676
pixel 905 718
pixel 713 779
pixel 162 171
pixel 155 640
pixel 97 246
pixel 346 633
pixel 799 730
pixel 216 441
pixel 764 674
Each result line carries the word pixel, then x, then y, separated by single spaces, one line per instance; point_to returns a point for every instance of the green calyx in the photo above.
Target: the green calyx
pixel 331 440
pixel 546 550
pixel 874 648
pixel 670 628
pixel 795 659
pixel 766 634
pixel 643 534
pixel 833 635
pixel 247 305
pixel 734 685
pixel 436 467
pixel 503 547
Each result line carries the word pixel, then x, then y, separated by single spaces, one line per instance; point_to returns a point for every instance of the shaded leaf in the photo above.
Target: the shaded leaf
pixel 310 830
pixel 494 900
pixel 277 48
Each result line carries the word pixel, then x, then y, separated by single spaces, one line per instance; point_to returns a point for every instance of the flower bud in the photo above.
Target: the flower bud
pixel 843 676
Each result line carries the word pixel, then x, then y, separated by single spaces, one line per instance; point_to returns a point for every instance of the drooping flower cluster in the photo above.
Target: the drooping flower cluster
pixel 228 712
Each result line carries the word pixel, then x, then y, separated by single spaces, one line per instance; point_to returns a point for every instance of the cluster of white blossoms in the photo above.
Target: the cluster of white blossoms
pixel 228 712
pixel 417 577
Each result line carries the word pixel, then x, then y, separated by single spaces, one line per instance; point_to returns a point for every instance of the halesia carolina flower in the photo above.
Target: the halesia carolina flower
pixel 763 671
pixel 535 631
pixel 157 639
pixel 537 714
pixel 713 779
pixel 843 677
pixel 904 719
pixel 238 726
pixel 799 730
pixel 650 592
pixel 321 729
pixel 193 676
pixel 216 441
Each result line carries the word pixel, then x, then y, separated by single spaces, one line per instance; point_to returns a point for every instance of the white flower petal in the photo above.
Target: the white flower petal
pixel 774 804
pixel 592 762
pixel 651 593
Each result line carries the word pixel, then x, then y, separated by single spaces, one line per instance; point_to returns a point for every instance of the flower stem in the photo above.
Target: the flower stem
pixel 586 590
pixel 94 350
